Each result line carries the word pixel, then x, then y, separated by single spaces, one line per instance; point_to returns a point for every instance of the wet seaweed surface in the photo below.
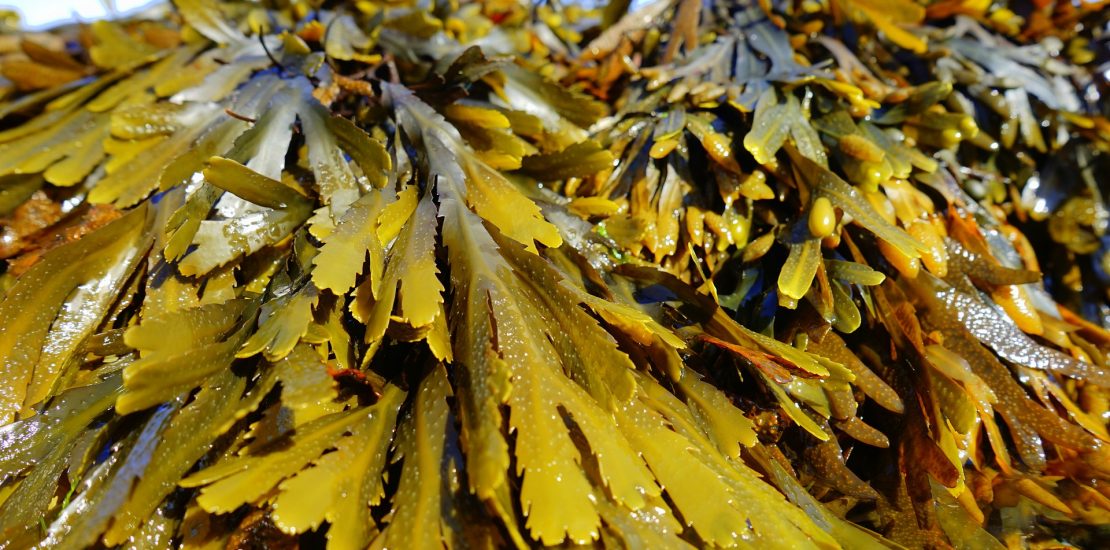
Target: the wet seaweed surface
pixel 397 274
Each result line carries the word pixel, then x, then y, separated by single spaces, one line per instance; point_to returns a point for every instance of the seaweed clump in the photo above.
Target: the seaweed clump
pixel 785 274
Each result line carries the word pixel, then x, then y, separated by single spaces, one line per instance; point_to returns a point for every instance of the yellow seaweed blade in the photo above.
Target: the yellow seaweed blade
pixel 30 307
pixel 346 249
pixel 417 520
pixel 800 268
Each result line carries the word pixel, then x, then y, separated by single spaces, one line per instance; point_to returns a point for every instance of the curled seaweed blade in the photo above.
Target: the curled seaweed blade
pixel 250 185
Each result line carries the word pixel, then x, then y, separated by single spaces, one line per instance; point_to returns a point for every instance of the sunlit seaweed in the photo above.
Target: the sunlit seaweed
pixel 410 275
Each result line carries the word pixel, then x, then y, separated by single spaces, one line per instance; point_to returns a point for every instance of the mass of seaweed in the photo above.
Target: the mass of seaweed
pixel 438 273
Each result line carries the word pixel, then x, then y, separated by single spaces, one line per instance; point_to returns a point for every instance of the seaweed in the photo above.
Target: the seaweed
pixel 447 274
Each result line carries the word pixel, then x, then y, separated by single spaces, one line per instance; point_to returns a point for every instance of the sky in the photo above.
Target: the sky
pixel 37 14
